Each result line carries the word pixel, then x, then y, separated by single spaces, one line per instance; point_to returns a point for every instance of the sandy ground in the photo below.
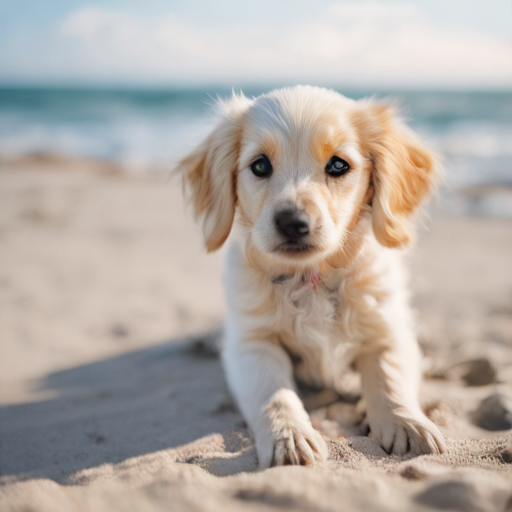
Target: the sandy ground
pixel 111 392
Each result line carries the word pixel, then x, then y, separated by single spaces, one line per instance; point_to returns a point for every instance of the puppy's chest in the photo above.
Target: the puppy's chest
pixel 311 329
pixel 308 304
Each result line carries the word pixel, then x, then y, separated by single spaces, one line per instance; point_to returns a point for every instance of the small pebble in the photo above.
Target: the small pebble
pixel 207 345
pixel 495 412
pixel 506 455
pixel 411 472
pixel 119 331
pixel 479 372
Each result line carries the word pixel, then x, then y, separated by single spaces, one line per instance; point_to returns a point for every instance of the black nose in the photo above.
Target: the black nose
pixel 293 224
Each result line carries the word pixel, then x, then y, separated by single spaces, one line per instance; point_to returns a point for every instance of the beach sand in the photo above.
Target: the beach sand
pixel 112 396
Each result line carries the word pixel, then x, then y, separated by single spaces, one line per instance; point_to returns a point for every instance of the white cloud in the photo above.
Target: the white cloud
pixel 353 43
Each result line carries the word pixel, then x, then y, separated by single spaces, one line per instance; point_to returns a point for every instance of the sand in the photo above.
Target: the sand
pixel 112 396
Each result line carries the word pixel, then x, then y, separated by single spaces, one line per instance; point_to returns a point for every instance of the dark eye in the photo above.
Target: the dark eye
pixel 336 167
pixel 262 167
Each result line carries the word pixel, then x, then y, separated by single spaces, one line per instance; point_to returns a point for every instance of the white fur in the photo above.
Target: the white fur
pixel 358 313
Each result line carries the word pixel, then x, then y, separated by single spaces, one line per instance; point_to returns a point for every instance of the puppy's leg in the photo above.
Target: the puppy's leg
pixel 259 374
pixel 390 380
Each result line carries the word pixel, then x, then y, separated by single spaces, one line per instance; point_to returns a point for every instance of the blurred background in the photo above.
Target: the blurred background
pixel 132 82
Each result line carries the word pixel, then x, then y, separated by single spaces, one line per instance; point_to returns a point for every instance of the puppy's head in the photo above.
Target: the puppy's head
pixel 299 166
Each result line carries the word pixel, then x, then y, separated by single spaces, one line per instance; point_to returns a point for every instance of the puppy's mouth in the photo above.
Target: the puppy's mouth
pixel 292 247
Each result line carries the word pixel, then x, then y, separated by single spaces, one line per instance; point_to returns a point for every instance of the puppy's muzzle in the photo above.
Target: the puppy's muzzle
pixel 292 223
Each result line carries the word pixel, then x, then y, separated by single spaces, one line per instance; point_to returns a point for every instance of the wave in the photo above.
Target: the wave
pixel 149 130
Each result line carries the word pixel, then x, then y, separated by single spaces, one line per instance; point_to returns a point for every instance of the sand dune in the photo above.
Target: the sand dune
pixel 112 396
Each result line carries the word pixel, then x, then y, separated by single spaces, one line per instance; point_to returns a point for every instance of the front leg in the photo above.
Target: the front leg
pixel 259 374
pixel 390 381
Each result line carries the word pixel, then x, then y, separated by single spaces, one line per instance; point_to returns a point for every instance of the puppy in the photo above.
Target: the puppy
pixel 319 191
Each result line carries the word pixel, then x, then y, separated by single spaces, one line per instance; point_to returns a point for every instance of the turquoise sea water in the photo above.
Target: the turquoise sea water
pixel 146 129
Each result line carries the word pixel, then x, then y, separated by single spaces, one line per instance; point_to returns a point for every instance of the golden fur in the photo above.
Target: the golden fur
pixel 341 301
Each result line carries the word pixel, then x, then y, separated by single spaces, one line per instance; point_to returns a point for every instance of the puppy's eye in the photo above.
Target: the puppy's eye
pixel 336 167
pixel 262 167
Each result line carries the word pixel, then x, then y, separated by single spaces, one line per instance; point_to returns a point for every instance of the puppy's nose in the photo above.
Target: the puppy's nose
pixel 292 223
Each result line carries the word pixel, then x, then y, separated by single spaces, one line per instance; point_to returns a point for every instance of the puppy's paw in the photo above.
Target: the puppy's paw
pixel 292 443
pixel 404 433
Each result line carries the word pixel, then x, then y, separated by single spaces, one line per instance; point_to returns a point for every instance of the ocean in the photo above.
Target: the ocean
pixel 147 129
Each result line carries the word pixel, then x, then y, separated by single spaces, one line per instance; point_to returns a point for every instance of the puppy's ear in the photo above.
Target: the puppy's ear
pixel 209 174
pixel 404 173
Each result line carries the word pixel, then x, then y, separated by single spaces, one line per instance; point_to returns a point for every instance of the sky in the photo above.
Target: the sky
pixel 461 44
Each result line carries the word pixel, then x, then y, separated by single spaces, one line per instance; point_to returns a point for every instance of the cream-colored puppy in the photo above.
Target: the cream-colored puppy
pixel 319 190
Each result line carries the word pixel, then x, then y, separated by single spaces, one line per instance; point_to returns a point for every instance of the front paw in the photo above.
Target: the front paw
pixel 401 433
pixel 291 443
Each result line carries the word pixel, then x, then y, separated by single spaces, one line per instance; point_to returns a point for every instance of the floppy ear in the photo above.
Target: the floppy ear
pixel 209 174
pixel 404 173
